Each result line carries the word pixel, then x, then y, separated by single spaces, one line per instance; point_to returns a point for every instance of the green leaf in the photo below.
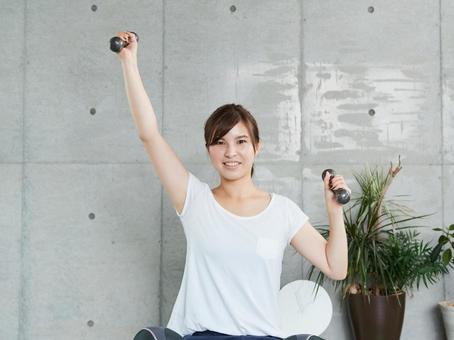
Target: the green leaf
pixel 443 239
pixel 436 252
pixel 451 227
pixel 437 229
pixel 447 256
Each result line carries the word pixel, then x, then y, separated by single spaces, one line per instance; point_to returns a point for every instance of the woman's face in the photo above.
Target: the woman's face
pixel 233 154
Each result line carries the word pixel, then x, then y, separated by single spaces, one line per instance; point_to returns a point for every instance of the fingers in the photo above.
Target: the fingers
pixel 126 36
pixel 326 180
pixel 122 35
pixel 130 36
pixel 338 182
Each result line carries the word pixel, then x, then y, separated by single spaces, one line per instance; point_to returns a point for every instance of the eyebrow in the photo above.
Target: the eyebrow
pixel 243 136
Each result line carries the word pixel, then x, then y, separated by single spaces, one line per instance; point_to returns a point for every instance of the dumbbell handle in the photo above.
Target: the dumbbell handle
pixel 117 44
pixel 342 195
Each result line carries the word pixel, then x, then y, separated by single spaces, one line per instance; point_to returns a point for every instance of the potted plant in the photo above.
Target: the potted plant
pixel 445 246
pixel 386 258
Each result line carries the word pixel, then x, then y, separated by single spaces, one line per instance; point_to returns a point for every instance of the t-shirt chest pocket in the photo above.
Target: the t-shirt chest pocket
pixel 268 248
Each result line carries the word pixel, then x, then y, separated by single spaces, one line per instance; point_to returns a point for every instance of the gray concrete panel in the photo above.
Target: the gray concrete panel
pixel 422 305
pixel 355 61
pixel 78 269
pixel 249 56
pixel 420 188
pixel 447 65
pixel 12 81
pixel 391 33
pixel 71 73
pixel 10 248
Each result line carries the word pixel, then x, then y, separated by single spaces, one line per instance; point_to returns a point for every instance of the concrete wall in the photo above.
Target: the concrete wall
pixel 90 246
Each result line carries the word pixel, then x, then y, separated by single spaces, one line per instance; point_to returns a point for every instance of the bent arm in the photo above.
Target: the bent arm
pixel 337 245
pixel 330 256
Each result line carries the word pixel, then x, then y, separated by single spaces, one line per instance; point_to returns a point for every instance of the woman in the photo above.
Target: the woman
pixel 236 233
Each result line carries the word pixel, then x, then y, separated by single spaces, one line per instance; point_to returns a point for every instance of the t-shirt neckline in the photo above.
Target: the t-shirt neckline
pixel 217 204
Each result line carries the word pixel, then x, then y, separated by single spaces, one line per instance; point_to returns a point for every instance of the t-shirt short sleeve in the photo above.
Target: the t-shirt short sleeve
pixel 296 219
pixel 193 189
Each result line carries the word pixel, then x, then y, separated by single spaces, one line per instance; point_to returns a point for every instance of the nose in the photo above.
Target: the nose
pixel 230 150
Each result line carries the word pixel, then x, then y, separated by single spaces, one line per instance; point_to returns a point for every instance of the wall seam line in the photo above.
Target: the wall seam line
pixel 440 31
pixel 301 96
pixel 21 293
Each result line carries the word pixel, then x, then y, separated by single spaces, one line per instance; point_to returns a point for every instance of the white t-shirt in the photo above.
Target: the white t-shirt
pixel 232 273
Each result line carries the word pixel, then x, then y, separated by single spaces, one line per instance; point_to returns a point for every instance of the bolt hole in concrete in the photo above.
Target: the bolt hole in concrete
pixel 91 216
pixel 371 112
pixel 371 9
pixel 232 8
pixel 92 110
pixel 94 8
pixel 90 323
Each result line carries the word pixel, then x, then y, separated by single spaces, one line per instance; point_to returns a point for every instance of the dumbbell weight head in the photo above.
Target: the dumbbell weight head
pixel 117 44
pixel 342 196
pixel 331 171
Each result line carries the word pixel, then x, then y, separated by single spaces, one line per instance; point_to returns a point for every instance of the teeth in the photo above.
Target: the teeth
pixel 232 163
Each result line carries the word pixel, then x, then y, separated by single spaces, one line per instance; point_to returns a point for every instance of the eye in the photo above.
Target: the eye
pixel 243 140
pixel 218 141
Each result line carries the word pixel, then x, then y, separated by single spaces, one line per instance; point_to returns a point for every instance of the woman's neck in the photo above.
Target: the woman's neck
pixel 237 189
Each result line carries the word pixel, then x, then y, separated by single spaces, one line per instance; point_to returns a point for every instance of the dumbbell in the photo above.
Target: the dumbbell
pixel 342 195
pixel 117 44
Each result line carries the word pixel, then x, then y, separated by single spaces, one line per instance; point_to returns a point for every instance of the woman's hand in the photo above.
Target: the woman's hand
pixel 337 182
pixel 128 53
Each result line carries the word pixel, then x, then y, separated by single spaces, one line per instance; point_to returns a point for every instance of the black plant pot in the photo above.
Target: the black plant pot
pixel 381 319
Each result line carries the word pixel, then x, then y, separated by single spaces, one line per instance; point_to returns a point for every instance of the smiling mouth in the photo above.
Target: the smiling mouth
pixel 231 164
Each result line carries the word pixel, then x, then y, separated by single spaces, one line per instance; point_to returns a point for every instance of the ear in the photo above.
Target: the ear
pixel 257 148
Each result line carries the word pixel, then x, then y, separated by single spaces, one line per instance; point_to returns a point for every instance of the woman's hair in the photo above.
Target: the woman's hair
pixel 226 117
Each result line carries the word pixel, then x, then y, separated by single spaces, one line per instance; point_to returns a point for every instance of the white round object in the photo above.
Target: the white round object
pixel 302 310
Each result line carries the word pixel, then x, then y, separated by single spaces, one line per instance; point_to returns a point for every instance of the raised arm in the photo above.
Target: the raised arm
pixel 170 170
